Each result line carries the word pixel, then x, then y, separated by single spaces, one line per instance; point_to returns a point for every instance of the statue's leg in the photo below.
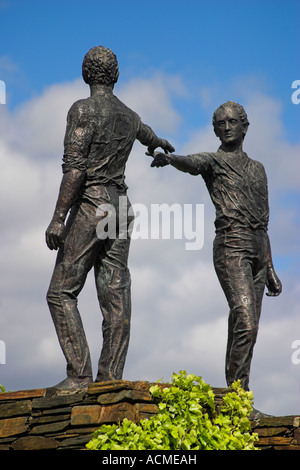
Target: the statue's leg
pixel 114 293
pixel 74 261
pixel 242 280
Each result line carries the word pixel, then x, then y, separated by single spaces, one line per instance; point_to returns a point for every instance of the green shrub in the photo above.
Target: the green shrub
pixel 2 389
pixel 186 420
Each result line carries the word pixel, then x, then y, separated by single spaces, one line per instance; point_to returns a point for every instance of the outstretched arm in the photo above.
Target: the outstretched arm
pixel 147 137
pixel 181 163
pixel 273 282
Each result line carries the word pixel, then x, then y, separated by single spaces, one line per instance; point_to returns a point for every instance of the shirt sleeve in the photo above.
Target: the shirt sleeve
pixel 147 136
pixel 78 137
pixel 201 163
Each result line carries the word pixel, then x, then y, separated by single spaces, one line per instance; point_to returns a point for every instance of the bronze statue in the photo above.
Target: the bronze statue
pixel 99 136
pixel 242 255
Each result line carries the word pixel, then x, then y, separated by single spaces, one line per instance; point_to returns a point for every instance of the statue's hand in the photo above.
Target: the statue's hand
pixel 54 235
pixel 160 159
pixel 164 144
pixel 273 283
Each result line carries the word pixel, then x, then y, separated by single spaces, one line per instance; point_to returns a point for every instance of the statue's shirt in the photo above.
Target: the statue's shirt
pixel 99 136
pixel 237 186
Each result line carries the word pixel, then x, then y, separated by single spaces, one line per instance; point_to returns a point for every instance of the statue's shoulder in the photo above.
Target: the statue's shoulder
pixel 120 105
pixel 218 157
pixel 81 106
pixel 257 164
pixel 203 155
pixel 84 103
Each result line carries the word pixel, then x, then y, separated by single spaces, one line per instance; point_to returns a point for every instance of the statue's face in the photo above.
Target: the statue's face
pixel 229 127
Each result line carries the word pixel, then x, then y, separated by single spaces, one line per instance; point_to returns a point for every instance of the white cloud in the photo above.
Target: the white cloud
pixel 42 120
pixel 265 140
pixel 151 99
pixel 19 179
pixel 179 318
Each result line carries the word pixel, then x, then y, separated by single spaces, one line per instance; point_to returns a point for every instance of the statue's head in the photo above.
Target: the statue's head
pixel 100 65
pixel 230 114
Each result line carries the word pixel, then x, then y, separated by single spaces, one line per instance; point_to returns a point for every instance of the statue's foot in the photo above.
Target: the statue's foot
pixel 73 383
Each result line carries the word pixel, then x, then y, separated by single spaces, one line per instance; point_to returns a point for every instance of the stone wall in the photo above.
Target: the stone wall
pixel 48 419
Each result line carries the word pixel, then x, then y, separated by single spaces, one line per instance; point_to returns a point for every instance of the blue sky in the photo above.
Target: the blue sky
pixel 46 40
pixel 178 60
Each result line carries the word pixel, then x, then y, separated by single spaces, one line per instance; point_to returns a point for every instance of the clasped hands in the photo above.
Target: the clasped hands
pixel 159 158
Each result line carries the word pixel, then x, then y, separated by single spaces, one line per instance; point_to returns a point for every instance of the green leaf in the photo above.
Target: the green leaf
pixel 185 421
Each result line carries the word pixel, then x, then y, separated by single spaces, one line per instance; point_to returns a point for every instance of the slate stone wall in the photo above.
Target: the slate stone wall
pixel 47 419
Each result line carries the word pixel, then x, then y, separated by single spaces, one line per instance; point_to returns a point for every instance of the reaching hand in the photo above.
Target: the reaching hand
pixel 54 235
pixel 164 144
pixel 273 284
pixel 160 159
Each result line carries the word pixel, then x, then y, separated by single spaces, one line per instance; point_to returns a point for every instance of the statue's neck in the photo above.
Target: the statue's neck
pixel 99 89
pixel 235 147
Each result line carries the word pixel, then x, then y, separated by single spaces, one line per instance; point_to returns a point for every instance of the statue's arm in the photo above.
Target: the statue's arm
pixel 70 185
pixel 273 282
pixel 76 147
pixel 148 137
pixel 187 164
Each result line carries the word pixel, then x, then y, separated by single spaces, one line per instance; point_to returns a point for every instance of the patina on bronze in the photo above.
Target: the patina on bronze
pixel 242 255
pixel 99 136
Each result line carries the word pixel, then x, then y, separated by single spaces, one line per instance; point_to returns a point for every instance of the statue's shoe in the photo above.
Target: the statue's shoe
pixel 73 383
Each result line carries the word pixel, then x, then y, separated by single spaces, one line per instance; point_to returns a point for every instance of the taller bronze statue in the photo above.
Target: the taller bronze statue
pixel 242 255
pixel 99 136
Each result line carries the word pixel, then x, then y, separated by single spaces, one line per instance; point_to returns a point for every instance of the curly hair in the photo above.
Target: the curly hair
pixel 100 65
pixel 238 107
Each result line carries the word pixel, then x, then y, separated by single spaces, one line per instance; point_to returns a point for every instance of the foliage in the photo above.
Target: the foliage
pixel 186 420
pixel 2 389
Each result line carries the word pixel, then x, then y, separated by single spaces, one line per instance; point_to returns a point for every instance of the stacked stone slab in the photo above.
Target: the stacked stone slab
pixel 48 419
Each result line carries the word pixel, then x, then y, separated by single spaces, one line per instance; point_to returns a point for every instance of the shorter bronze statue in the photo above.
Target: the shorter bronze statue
pixel 99 136
pixel 242 254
